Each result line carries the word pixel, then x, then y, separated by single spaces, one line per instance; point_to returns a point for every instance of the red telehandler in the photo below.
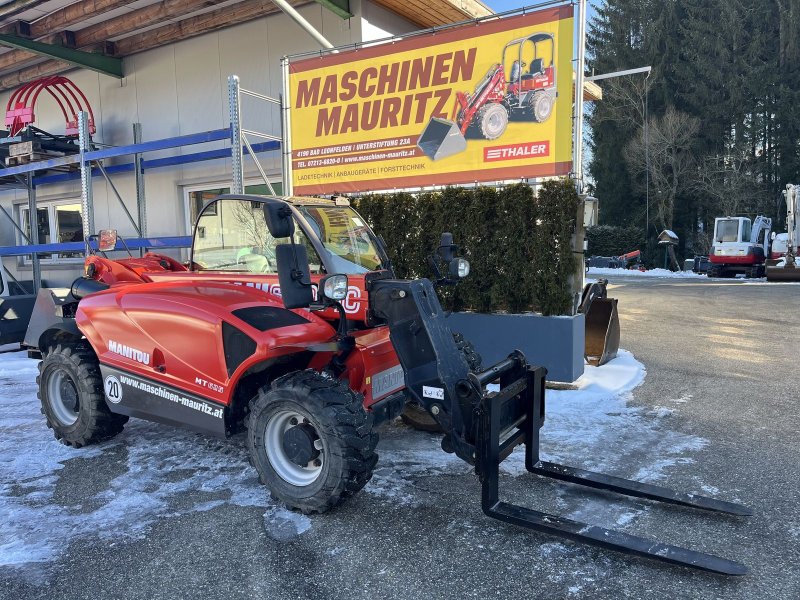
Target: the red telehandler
pixel 288 324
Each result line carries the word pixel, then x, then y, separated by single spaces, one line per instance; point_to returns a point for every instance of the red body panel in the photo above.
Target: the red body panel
pixel 131 269
pixel 178 327
pixel 747 259
pixel 355 305
pixel 171 331
pixel 543 81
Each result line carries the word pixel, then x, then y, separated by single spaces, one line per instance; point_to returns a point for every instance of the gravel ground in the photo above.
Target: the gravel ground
pixel 181 516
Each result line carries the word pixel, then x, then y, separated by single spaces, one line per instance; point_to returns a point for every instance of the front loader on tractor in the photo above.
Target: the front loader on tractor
pixel 528 93
pixel 289 325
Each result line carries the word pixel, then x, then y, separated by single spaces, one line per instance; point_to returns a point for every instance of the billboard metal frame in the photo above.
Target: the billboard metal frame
pixel 286 119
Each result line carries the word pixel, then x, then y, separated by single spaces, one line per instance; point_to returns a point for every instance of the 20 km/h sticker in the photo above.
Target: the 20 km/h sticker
pixel 113 389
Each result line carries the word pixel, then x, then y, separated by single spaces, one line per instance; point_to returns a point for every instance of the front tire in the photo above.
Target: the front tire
pixel 311 441
pixel 492 121
pixel 541 105
pixel 73 401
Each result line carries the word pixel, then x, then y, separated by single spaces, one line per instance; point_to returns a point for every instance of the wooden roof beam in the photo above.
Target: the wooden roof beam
pixel 9 9
pixel 173 32
pixel 67 17
pixel 241 12
pixel 118 26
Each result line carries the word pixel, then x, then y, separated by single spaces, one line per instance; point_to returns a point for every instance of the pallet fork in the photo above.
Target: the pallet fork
pixel 483 427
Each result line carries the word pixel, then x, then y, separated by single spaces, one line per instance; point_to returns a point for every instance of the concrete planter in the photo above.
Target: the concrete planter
pixel 556 343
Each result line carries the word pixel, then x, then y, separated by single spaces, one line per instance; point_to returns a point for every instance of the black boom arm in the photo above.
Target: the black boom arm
pixel 483 427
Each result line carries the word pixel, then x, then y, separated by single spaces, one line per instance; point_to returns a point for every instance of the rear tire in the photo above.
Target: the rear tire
pixel 414 415
pixel 73 401
pixel 492 120
pixel 305 415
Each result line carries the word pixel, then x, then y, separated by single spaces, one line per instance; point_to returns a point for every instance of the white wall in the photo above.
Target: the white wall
pixel 181 89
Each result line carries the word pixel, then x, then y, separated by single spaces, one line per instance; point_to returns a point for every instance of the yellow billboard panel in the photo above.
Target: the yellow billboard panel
pixel 480 102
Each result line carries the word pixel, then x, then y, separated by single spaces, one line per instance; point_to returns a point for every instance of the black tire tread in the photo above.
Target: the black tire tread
pixel 340 413
pixel 98 423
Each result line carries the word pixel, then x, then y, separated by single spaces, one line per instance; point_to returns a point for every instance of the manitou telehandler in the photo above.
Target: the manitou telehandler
pixel 289 325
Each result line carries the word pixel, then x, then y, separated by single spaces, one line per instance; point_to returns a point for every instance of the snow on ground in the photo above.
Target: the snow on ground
pixel 159 468
pixel 592 427
pixel 662 273
pixel 157 472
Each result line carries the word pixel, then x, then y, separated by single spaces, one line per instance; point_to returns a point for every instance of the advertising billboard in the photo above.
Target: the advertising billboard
pixel 485 101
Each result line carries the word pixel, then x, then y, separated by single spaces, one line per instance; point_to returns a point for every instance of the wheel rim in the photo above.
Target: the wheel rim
pixel 494 123
pixel 543 108
pixel 289 471
pixel 63 398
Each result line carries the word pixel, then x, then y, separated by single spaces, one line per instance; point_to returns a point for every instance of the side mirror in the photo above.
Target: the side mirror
pixel 772 237
pixel 293 275
pixel 446 247
pixel 279 220
pixel 107 240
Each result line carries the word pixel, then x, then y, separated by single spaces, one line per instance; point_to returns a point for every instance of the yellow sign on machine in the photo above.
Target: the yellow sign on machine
pixel 481 102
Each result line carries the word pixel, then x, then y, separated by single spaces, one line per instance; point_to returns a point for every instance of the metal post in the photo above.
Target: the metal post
pixel 141 204
pixel 286 132
pixel 579 277
pixel 237 158
pixel 87 203
pixel 300 20
pixel 33 231
pixel 577 159
pixel 119 197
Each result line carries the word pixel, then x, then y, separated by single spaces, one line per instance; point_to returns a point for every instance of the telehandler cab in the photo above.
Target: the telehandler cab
pixel 289 324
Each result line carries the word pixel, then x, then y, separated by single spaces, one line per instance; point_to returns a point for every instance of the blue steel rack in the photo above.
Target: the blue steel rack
pixel 89 163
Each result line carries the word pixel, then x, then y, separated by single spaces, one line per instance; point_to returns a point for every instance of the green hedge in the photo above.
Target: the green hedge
pixel 518 245
pixel 609 240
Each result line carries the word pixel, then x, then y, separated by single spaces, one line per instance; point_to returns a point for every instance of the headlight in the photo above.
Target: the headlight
pixel 334 287
pixel 459 268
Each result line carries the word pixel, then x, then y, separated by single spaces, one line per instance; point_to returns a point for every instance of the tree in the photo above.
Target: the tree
pixel 664 153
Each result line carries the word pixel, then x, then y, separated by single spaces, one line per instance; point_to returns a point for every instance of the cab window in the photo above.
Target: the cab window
pixel 232 235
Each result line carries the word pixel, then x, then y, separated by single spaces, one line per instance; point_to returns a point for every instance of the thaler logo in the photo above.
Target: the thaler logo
pixel 516 151
pixel 128 352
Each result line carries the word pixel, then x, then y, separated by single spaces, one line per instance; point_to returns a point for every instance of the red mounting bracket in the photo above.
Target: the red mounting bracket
pixel 70 99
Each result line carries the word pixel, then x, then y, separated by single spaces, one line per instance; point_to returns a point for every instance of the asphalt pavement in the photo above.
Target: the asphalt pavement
pixel 176 515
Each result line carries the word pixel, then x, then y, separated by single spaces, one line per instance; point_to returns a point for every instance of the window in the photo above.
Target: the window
pixel 232 235
pixel 56 223
pixel 747 230
pixel 198 198
pixel 727 230
pixel 350 244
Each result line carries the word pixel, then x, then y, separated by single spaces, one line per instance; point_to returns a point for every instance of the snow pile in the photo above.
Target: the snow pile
pixel 662 273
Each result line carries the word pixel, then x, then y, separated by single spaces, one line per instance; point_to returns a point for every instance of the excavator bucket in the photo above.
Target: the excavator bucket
pixel 602 324
pixel 783 272
pixel 441 138
pixel 602 332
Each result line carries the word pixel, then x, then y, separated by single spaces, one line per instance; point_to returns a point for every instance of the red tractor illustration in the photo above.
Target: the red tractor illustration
pixel 528 93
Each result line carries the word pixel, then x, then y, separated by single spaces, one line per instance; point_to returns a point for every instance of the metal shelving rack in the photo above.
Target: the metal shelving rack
pixel 88 163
